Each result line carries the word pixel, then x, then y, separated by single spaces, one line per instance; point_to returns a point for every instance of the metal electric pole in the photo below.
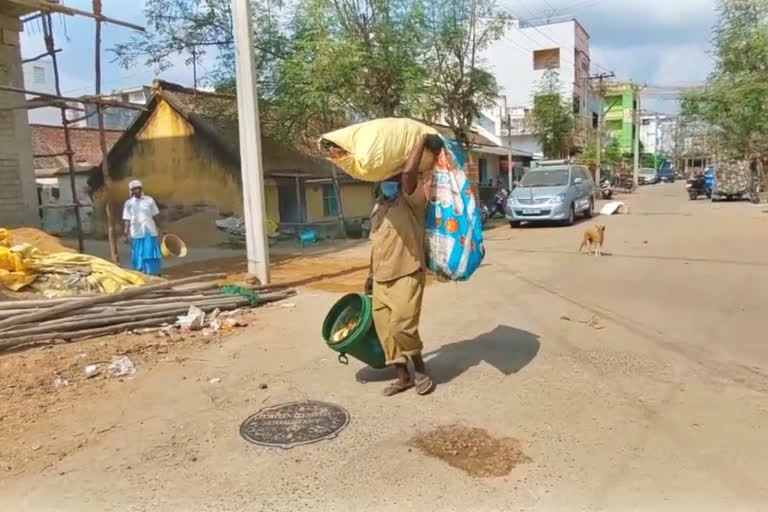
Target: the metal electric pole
pixel 250 142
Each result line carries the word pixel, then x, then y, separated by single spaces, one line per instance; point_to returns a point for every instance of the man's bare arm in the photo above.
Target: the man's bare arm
pixel 409 179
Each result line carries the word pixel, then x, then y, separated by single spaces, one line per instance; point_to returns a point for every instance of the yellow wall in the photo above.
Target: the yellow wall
pixel 270 193
pixel 357 201
pixel 180 168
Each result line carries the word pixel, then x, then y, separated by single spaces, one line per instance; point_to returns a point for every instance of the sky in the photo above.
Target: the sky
pixel 662 42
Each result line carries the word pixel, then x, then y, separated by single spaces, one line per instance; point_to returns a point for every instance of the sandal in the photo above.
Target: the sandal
pixel 394 388
pixel 424 384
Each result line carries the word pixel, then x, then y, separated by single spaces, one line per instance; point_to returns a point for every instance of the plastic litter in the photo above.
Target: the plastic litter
pixel 194 320
pixel 214 323
pixel 59 383
pixel 92 370
pixel 121 366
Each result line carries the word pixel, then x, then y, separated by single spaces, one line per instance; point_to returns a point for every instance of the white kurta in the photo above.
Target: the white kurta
pixel 140 212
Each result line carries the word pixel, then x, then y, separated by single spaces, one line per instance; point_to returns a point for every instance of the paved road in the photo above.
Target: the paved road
pixel 664 408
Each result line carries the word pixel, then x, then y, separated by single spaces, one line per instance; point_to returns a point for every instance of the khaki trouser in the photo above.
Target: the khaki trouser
pixel 396 314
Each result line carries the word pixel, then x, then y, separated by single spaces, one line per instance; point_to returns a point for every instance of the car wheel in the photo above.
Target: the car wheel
pixel 514 224
pixel 590 211
pixel 571 216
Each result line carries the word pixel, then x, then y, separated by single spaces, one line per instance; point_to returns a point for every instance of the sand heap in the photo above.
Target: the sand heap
pixel 38 239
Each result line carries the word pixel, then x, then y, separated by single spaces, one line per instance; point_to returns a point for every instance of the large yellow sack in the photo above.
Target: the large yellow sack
pixel 377 150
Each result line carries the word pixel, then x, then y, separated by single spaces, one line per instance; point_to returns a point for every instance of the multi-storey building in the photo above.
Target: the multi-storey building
pixel 519 60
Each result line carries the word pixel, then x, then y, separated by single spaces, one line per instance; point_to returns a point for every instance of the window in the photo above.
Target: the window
pixel 482 165
pixel 330 204
pixel 55 192
pixel 546 59
pixel 38 75
pixel 576 104
pixel 595 121
pixel 584 173
pixel 579 172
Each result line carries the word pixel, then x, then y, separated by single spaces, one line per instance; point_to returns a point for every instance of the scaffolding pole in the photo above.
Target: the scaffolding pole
pixel 113 252
pixel 96 100
pixel 61 102
pixel 70 11
pixel 50 47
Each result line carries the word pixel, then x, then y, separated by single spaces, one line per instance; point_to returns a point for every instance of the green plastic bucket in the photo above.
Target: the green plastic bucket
pixel 362 343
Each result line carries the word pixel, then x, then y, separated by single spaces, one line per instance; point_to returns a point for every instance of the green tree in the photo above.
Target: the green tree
pixel 735 99
pixel 201 30
pixel 455 34
pixel 552 117
pixel 611 154
pixel 350 60
pixel 323 63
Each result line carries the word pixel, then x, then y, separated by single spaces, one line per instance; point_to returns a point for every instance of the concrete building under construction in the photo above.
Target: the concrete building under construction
pixel 18 197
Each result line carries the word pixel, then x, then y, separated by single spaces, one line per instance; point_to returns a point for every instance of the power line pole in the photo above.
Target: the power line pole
pixel 600 118
pixel 250 142
pixel 636 141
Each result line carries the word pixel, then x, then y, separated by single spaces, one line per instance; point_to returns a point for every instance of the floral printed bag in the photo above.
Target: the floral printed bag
pixel 454 230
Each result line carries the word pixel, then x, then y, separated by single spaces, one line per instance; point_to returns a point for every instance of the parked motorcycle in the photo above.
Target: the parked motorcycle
pixel 485 213
pixel 606 189
pixel 499 203
pixel 698 186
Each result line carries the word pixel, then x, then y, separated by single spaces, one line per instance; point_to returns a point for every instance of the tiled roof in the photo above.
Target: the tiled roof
pixel 48 140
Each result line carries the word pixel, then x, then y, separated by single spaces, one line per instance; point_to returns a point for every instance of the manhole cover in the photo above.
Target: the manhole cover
pixel 294 424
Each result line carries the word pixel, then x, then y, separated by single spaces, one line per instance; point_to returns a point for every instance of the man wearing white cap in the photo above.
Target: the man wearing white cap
pixel 140 230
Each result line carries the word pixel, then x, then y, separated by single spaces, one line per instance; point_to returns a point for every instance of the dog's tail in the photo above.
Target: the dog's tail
pixel 583 244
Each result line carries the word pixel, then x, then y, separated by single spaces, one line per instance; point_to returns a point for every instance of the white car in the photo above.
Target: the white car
pixel 647 176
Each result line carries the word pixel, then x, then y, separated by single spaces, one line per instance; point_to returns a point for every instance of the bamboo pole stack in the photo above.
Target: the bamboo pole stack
pixel 73 318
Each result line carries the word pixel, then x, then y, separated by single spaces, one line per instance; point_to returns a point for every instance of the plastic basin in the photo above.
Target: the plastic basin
pixel 173 247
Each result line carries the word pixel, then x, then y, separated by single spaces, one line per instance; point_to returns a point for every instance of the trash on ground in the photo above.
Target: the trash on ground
pixel 188 304
pixel 194 320
pixel 472 450
pixel 235 228
pixel 59 383
pixel 92 370
pixel 614 207
pixel 121 366
pixel 214 380
pixel 593 322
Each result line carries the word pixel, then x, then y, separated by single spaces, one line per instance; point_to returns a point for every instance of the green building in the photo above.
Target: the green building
pixel 621 101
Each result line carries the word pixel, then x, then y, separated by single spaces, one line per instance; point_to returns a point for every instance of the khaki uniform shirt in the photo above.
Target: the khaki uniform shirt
pixel 397 233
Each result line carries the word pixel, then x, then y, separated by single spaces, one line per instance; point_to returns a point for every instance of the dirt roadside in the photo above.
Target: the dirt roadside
pixel 41 381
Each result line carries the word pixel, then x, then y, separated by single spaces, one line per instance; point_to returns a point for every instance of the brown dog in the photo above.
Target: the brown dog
pixel 593 240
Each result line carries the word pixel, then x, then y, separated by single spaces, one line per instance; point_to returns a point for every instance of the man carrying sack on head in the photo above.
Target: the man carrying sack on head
pixel 398 268
pixel 140 231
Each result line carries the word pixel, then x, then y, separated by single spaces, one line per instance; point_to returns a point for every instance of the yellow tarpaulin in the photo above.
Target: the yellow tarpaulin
pixel 61 273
